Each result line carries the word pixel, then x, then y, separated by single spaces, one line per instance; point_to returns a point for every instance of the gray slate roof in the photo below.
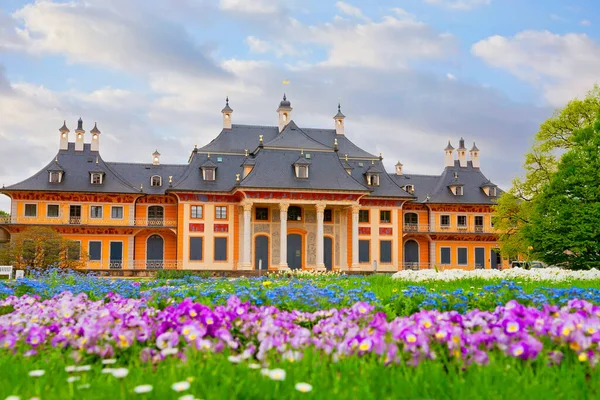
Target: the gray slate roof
pixel 293 137
pixel 225 174
pixel 437 186
pixel 387 187
pixel 140 174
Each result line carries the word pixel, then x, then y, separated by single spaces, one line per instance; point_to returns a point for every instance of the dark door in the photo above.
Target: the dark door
pixel 155 215
pixel 294 251
pixel 75 214
pixel 479 258
pixel 154 252
pixel 261 252
pixel 411 254
pixel 116 254
pixel 495 258
pixel 328 252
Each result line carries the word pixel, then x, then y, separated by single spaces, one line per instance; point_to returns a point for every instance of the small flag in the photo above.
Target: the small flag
pixel 286 82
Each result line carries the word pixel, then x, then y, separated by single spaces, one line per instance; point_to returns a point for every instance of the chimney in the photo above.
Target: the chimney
pixel 226 111
pixel 339 121
pixel 95 146
pixel 462 153
pixel 79 135
pixel 399 168
pixel 475 156
pixel 64 137
pixel 285 113
pixel 449 161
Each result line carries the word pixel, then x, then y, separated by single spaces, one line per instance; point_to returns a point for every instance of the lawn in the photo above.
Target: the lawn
pixel 339 336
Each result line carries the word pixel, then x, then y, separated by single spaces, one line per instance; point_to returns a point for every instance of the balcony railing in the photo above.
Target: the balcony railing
pixel 426 228
pixel 136 264
pixel 415 266
pixel 145 222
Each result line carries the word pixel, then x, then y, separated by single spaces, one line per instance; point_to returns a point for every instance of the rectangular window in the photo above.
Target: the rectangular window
pixel 479 220
pixel 459 190
pixel 196 248
pixel 197 212
pixel 96 179
pixel 363 215
pixel 116 212
pixel 445 256
pixel 221 212
pixel 385 251
pixel 364 251
pixel 96 212
pixel 74 251
pixel 209 174
pixel 261 214
pixel 31 210
pixel 328 216
pixel 385 217
pixel 95 251
pixel 445 220
pixel 492 192
pixel 52 211
pixel 116 255
pixel 462 256
pixel 461 221
pixel 220 249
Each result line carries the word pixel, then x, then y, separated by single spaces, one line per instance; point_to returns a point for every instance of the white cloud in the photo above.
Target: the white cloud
pixel 350 10
pixel 459 4
pixel 251 6
pixel 256 45
pixel 586 22
pixel 451 77
pixel 564 66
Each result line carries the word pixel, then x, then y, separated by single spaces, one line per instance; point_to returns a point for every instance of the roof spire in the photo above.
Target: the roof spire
pixel 64 129
pixel 80 124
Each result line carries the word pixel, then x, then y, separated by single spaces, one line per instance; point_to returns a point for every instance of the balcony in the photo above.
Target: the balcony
pixel 137 265
pixel 426 228
pixel 416 228
pixel 138 222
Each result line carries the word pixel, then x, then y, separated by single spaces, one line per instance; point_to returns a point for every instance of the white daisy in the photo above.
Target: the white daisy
pixel 303 387
pixel 180 386
pixel 143 389
pixel 37 373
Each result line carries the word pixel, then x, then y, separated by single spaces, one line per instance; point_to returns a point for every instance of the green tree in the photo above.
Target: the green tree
pixel 512 213
pixel 565 222
pixel 4 214
pixel 41 247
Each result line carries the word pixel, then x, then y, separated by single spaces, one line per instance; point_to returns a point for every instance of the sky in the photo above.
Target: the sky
pixel 409 75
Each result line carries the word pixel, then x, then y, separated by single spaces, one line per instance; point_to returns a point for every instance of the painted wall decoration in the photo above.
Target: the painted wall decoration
pixel 221 228
pixel 461 208
pixel 208 198
pixel 364 230
pixel 381 203
pixel 194 227
pixel 310 196
pixel 157 200
pixel 74 197
pixel 385 231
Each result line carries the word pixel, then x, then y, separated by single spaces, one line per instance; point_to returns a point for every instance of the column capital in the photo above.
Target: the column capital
pixel 247 205
pixel 284 206
pixel 355 208
pixel 320 206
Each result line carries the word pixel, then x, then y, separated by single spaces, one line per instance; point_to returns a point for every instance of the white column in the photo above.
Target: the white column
pixel 432 254
pixel 246 247
pixel 283 210
pixel 320 255
pixel 355 209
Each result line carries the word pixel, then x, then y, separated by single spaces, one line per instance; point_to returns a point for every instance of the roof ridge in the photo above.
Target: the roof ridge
pixel 288 128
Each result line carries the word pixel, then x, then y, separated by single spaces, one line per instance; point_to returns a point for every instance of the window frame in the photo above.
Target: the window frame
pixel 300 213
pixel 153 181
pixel 194 211
pixel 219 212
pixel 35 206
pixel 331 215
pixel 212 174
pixel 90 250
pixel 442 255
pixel 112 208
pixel 366 212
pixel 58 175
pixel 201 259
pixel 459 225
pixel 215 248
pixel 492 191
pixel 381 242
pixel 302 171
pixel 381 219
pixel 96 175
pixel 262 209
pixel 48 209
pixel 442 221
pixel 458 191
pixel 368 248
pixel 466 263
pixel 101 208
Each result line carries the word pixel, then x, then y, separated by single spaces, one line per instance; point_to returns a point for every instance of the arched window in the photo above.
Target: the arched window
pixel 284 117
pixel 156 181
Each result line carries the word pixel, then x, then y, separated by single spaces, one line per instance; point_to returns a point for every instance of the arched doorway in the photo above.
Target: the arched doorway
pixel 328 252
pixel 411 222
pixel 294 251
pixel 155 252
pixel 411 254
pixel 261 252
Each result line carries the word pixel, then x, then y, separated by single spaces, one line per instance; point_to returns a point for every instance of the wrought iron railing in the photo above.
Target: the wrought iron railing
pixel 146 222
pixel 136 264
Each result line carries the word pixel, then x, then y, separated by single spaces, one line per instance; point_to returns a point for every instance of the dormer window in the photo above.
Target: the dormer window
pixel 302 171
pixel 458 190
pixel 55 177
pixel 492 192
pixel 208 174
pixel 373 179
pixel 156 181
pixel 410 188
pixel 96 178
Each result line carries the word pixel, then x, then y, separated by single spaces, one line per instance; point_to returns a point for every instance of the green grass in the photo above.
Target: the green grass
pixel 216 378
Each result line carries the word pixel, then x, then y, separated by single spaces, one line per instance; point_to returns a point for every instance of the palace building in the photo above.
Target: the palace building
pixel 273 197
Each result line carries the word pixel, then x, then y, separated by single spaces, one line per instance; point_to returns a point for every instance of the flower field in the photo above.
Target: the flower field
pixel 67 335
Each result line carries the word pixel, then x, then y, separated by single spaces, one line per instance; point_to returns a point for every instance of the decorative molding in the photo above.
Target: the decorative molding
pixel 364 230
pixel 157 200
pixel 309 196
pixel 320 206
pixel 208 198
pixel 247 206
pixel 355 208
pixel 196 227
pixel 381 203
pixel 284 207
pixel 221 228
pixel 75 197
pixel 461 208
pixel 385 231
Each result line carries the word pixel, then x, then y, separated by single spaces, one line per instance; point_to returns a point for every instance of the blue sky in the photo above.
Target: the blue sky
pixel 410 74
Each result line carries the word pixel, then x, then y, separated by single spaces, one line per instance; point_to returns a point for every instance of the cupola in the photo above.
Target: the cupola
pixel 475 156
pixel 399 168
pixel 64 136
pixel 226 111
pixel 156 158
pixel 339 121
pixel 449 160
pixel 79 136
pixel 285 112
pixel 462 153
pixel 95 146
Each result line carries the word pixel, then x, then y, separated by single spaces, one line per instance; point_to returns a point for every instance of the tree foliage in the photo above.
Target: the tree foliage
pixel 565 221
pixel 4 214
pixel 41 247
pixel 512 213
